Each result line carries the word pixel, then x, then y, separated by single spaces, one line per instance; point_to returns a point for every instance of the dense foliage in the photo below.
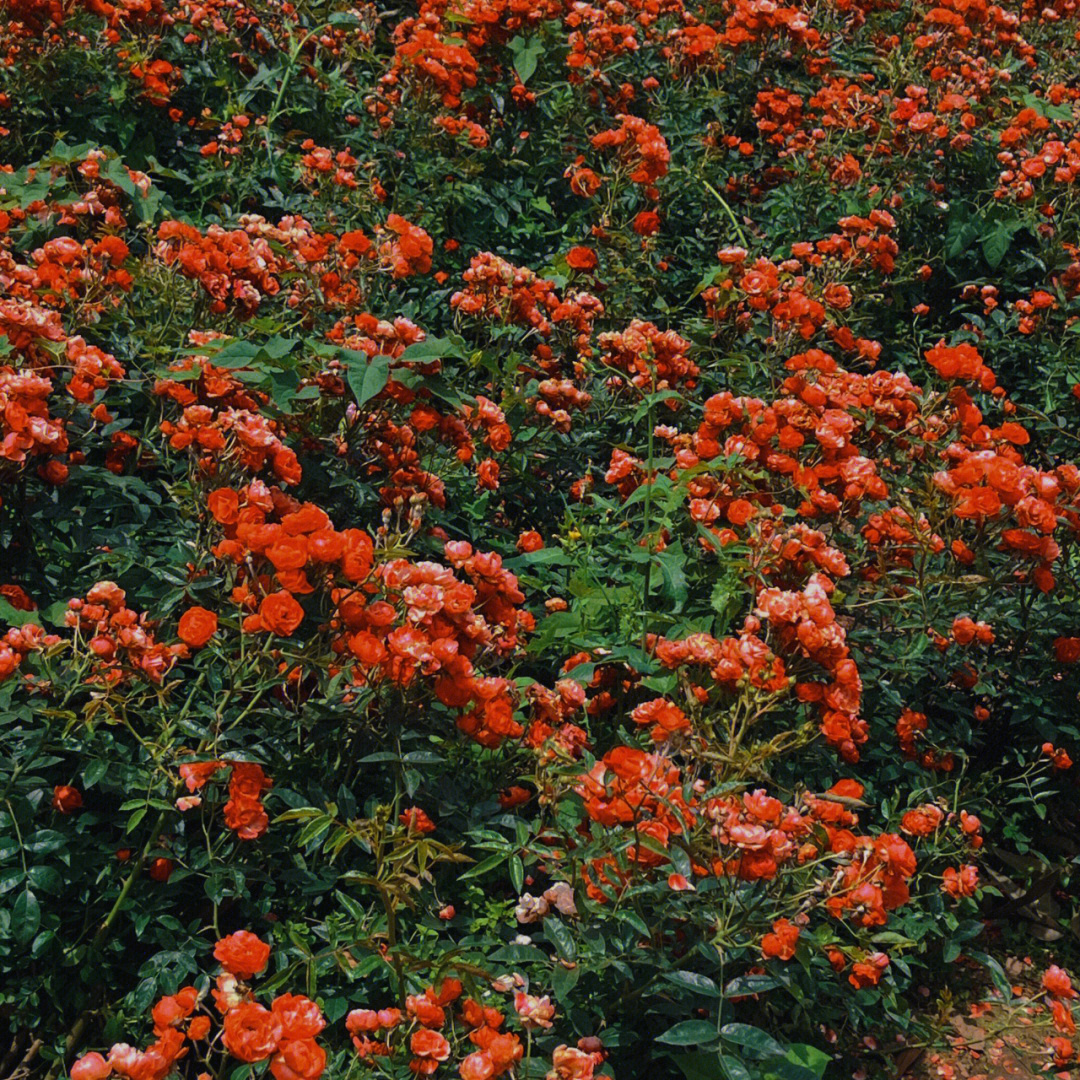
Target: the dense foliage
pixel 540 539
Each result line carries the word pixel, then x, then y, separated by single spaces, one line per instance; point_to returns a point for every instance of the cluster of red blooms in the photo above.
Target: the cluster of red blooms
pixel 1060 994
pixel 425 620
pixel 806 625
pixel 462 125
pixel 628 787
pixel 26 428
pixel 285 1033
pixel 961 362
pixel 396 446
pixel 18 642
pixel 244 812
pixel 29 328
pixel 235 269
pixel 407 248
pixel 641 147
pixel 63 270
pixel 793 300
pixel 895 534
pixel 221 421
pixel 789 556
pixel 665 717
pixel 1030 153
pixel 821 415
pixel 754 835
pixel 295 539
pixel 653 359
pixel 492 1051
pixel 238 268
pixel 320 164
pixel 928 818
pixel 986 484
pixel 1058 757
pixel 752 21
pixel 228 141
pixel 909 733
pixel 119 639
pixel 431 623
pixel 557 398
pixel 497 290
pixel 248 437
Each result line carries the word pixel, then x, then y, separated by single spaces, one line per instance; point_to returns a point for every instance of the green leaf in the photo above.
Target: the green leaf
pixel 701 1065
pixel 809 1057
pixel 484 866
pixel 559 935
pixel 235 354
pixel 997 972
pixel 431 349
pixel 45 878
pixel 754 1039
pixel 25 917
pixel 691 980
pixel 94 771
pixel 526 58
pixel 996 243
pixel 10 616
pixel 744 985
pixel 563 980
pixel 688 1033
pixel 367 378
pixel 733 1068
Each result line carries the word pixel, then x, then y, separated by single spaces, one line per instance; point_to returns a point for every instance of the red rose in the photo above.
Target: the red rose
pixel 224 504
pixel 647 223
pixel 426 1043
pixel 66 798
pixel 416 820
pixel 252 1032
pixel 243 954
pixel 90 1067
pixel 298 1059
pixel 1067 650
pixel 280 613
pixel 161 869
pixel 782 941
pixel 530 541
pixel 581 258
pixel 300 1017
pixel 197 627
pixel 247 818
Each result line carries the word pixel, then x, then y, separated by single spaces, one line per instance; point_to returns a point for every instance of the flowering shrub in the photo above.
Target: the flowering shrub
pixel 538 540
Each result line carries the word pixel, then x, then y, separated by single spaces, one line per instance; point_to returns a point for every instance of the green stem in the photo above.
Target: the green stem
pixel 730 213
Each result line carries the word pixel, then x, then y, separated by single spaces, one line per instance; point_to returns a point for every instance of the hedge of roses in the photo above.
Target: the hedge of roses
pixel 539 539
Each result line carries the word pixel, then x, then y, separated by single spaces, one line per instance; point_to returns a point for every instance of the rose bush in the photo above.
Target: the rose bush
pixel 539 540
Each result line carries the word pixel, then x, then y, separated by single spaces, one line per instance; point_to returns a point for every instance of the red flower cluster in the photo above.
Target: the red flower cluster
pixel 431 623
pixel 119 640
pixel 285 1032
pixel 244 812
pixel 652 359
pixel 641 147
